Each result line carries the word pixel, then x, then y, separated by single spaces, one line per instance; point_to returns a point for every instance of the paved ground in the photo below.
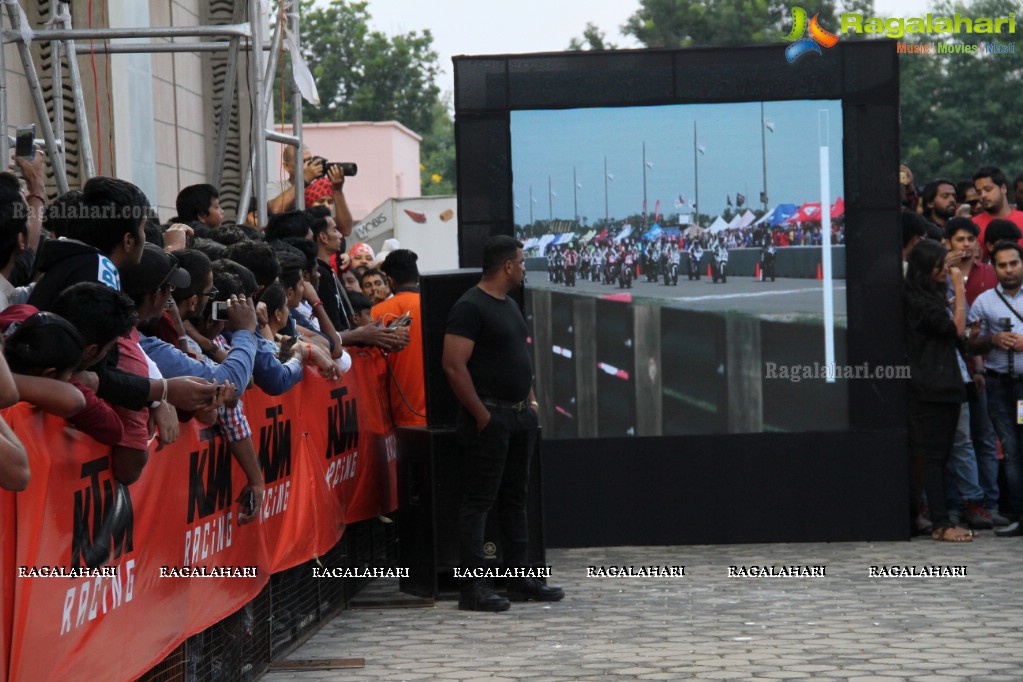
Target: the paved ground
pixel 744 294
pixel 707 625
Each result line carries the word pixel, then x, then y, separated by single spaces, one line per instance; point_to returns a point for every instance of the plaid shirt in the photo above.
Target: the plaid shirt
pixel 232 423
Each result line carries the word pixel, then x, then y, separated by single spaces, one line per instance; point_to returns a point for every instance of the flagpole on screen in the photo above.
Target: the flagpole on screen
pixel 644 185
pixel 530 206
pixel 606 213
pixel 575 194
pixel 696 176
pixel 763 152
pixel 550 200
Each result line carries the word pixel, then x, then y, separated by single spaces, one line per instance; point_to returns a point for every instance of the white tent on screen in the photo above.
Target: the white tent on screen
pixel 545 241
pixel 718 225
pixel 745 220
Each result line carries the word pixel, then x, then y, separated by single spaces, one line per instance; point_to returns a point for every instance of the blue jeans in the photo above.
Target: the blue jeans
pixel 986 449
pixel 962 480
pixel 495 471
pixel 1001 403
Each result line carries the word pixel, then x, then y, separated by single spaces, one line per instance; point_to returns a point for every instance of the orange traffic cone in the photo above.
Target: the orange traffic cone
pixel 757 275
pixel 819 274
pixel 709 272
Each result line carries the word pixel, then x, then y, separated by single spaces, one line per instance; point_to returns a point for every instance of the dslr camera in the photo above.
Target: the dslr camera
pixel 349 168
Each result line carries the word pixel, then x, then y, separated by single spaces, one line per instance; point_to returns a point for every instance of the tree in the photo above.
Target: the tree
pixel 364 75
pixel 593 39
pixel 959 111
pixel 437 154
pixel 703 23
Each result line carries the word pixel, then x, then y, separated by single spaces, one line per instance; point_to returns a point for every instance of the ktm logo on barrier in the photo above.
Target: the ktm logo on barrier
pixel 275 461
pixel 103 518
pixel 342 424
pixel 275 446
pixel 209 493
pixel 342 438
pixel 818 37
pixel 209 476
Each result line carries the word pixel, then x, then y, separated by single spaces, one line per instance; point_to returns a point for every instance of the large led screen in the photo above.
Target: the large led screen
pixel 690 262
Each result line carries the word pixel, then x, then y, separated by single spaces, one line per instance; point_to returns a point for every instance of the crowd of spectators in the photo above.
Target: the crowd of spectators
pixel 127 326
pixel 963 265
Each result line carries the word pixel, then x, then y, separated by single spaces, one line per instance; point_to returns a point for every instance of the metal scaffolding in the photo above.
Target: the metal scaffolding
pixel 247 27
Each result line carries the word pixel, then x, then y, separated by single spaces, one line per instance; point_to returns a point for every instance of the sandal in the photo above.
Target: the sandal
pixel 952 534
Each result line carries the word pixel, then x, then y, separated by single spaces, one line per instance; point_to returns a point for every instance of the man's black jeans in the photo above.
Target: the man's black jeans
pixel 495 469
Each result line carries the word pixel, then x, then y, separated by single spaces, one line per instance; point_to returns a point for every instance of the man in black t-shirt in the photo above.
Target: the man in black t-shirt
pixel 487 363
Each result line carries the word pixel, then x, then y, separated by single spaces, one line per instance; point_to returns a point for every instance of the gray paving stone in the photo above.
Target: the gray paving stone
pixel 709 626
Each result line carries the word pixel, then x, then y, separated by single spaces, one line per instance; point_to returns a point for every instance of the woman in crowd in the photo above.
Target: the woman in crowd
pixel 935 320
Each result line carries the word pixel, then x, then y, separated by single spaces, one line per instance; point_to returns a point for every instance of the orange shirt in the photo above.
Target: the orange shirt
pixel 407 365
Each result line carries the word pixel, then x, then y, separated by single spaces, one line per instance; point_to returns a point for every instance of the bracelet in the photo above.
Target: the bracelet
pixel 40 197
pixel 316 303
pixel 534 404
pixel 308 350
pixel 163 399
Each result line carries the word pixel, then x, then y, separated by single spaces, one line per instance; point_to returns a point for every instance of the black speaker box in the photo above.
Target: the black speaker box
pixel 429 496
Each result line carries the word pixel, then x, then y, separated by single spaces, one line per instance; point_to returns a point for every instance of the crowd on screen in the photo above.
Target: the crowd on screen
pixel 127 326
pixel 963 267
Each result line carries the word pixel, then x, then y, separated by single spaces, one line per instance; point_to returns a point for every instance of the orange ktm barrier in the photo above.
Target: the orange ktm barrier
pixel 327 454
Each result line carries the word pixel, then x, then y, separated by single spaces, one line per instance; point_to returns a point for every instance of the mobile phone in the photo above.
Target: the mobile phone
pixel 250 502
pixel 403 321
pixel 219 311
pixel 25 141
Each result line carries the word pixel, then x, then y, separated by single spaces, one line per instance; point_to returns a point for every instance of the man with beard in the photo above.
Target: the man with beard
pixel 939 199
pixel 994 198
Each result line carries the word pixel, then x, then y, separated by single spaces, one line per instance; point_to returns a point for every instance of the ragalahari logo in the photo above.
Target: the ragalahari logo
pixel 818 37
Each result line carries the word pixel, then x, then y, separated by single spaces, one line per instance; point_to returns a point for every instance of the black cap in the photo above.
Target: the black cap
pixel 157 268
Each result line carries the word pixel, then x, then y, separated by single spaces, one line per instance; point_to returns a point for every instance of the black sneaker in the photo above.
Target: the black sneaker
pixel 479 597
pixel 1013 530
pixel 524 589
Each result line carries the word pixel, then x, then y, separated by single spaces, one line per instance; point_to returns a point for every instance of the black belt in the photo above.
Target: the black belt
pixel 1004 376
pixel 506 404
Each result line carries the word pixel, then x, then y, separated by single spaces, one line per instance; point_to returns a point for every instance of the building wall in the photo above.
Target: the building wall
pixel 387 154
pixel 183 141
pixel 154 125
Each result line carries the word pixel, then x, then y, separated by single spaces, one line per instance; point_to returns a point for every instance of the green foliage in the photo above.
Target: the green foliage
pixel 959 112
pixel 364 75
pixel 593 39
pixel 437 154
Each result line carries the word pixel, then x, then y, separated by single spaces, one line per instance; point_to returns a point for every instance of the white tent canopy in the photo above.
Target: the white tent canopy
pixel 718 225
pixel 747 219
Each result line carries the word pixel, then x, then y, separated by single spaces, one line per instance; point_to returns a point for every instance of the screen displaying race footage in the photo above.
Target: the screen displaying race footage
pixel 685 267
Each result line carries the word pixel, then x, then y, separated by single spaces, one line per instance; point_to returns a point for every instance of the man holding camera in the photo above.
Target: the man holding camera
pixel 313 168
pixel 997 312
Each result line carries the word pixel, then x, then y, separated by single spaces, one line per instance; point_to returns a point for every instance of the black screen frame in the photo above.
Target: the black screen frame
pixel 864 77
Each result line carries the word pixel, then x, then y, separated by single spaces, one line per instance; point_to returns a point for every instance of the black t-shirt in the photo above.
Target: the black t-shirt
pixel 500 365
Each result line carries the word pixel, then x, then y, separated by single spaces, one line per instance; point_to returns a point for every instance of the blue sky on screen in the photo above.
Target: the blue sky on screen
pixel 548 145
